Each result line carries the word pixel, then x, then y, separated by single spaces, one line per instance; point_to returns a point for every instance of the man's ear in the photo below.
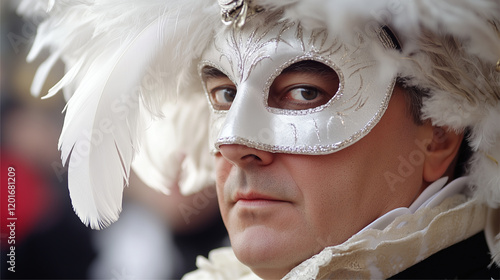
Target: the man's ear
pixel 441 153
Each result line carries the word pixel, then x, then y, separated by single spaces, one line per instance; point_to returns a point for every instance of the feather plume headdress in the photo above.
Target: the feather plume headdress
pixel 131 82
pixel 124 61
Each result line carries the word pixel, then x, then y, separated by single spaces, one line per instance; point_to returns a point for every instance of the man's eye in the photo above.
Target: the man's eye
pixel 299 97
pixel 303 94
pixel 303 85
pixel 222 97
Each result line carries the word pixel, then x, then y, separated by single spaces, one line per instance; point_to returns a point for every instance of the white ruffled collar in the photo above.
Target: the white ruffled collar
pixel 432 196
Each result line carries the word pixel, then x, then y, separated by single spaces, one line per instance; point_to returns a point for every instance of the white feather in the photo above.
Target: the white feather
pixel 120 55
pixel 184 156
pixel 42 73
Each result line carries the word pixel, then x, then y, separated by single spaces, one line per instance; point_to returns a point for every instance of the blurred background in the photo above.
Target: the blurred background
pixel 151 240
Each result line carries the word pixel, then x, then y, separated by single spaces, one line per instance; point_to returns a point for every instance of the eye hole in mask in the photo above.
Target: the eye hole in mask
pixel 302 85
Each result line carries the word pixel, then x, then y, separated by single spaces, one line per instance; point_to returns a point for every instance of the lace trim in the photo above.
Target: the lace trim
pixel 221 264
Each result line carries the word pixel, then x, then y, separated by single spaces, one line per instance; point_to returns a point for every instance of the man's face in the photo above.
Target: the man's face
pixel 281 209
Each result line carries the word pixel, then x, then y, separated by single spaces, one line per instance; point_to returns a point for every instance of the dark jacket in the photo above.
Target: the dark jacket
pixel 469 259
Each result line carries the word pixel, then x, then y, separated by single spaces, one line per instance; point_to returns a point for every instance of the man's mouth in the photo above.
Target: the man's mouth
pixel 256 199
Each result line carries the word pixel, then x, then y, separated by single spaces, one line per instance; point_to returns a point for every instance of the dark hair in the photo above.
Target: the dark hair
pixel 413 97
pixel 464 154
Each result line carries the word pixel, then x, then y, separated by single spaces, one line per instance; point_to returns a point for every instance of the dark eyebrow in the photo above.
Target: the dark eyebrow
pixel 209 72
pixel 306 66
pixel 309 66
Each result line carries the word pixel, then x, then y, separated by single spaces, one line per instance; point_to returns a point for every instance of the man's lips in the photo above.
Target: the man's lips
pixel 255 198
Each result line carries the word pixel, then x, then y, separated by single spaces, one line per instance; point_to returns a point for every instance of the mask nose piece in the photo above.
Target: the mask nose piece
pixel 246 122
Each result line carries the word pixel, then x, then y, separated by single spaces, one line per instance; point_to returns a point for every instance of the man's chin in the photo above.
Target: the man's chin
pixel 267 252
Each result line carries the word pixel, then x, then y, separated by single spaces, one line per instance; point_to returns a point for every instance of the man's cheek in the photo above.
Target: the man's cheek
pixel 222 170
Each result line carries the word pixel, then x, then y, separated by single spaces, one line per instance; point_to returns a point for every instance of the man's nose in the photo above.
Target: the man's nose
pixel 244 156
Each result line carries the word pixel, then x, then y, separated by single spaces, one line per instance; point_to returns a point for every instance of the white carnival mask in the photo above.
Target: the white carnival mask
pixel 278 106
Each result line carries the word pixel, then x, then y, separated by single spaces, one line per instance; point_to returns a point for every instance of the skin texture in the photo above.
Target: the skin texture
pixel 281 209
